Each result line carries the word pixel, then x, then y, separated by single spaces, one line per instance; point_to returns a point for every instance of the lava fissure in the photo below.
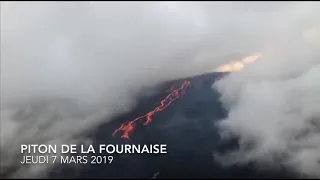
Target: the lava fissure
pixel 128 127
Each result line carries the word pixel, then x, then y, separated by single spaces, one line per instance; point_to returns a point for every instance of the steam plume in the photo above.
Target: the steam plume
pixel 273 103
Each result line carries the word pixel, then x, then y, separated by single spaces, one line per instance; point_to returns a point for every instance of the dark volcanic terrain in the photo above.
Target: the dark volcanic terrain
pixel 187 126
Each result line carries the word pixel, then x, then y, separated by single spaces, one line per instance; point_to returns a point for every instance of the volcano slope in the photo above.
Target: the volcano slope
pixel 187 126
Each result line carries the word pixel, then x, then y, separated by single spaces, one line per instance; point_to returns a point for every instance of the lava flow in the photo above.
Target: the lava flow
pixel 128 127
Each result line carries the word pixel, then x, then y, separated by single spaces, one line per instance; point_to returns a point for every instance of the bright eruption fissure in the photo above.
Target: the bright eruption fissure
pixel 128 127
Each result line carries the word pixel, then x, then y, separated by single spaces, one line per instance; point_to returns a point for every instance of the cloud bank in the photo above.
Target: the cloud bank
pixel 68 66
pixel 274 103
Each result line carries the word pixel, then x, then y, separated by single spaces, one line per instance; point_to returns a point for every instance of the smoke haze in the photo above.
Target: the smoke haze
pixel 68 66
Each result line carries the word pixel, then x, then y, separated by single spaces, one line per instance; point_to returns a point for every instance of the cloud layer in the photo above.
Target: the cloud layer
pixel 274 103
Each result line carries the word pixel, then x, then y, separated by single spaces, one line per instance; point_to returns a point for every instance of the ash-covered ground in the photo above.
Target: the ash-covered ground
pixel 188 128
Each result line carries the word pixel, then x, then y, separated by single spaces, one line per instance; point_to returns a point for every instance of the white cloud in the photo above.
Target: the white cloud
pixel 273 103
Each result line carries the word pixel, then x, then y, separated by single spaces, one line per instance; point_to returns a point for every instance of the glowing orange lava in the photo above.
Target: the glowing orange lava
pixel 128 127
